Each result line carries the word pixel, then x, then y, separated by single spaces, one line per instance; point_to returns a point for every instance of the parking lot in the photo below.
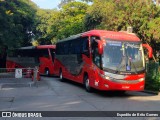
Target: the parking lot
pixel 50 94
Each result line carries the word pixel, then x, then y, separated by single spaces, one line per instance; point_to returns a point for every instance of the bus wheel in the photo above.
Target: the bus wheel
pixel 47 71
pixel 86 84
pixel 61 76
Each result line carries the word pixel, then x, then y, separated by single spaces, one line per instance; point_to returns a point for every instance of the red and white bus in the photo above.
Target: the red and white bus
pixel 104 60
pixel 31 56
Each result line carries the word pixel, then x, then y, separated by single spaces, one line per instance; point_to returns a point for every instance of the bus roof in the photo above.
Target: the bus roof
pixel 106 34
pixel 37 47
pixel 26 48
pixel 46 46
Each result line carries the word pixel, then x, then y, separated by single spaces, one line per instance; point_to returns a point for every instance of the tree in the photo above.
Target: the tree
pixel 45 19
pixel 64 2
pixel 69 21
pixel 16 18
pixel 142 15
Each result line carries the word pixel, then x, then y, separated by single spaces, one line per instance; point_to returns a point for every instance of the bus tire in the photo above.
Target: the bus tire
pixel 61 76
pixel 86 84
pixel 47 72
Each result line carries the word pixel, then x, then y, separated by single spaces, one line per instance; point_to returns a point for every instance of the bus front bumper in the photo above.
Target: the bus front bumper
pixel 125 85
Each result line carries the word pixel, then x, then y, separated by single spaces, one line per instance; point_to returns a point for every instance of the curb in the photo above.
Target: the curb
pixel 17 85
pixel 151 92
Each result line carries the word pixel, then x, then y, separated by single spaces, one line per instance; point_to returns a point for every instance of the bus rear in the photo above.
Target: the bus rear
pixel 22 58
pixel 31 56
pixel 46 58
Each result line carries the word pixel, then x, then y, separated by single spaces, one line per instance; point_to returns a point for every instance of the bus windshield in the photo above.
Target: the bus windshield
pixel 123 56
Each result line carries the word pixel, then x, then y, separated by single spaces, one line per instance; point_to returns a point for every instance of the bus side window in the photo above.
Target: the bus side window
pixel 44 53
pixel 85 46
pixel 95 54
pixel 59 49
pixel 52 51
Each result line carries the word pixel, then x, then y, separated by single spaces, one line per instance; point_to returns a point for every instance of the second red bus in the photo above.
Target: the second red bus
pixel 31 56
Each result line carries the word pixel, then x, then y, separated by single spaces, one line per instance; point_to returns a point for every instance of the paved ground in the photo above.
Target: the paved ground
pixel 52 95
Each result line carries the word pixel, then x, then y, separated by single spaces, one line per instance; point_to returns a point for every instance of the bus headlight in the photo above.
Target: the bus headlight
pixel 104 76
pixel 141 79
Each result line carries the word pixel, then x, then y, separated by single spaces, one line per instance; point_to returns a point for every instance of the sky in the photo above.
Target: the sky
pixel 47 4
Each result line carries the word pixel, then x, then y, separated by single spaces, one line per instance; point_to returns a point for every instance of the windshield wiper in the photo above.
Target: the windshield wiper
pixel 119 68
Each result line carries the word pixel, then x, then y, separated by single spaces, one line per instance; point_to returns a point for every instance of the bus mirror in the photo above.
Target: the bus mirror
pixel 150 51
pixel 100 47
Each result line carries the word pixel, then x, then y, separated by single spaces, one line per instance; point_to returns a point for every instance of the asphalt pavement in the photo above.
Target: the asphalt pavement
pixel 50 94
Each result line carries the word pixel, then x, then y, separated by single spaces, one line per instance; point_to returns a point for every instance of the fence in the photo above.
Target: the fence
pixel 19 76
pixel 152 76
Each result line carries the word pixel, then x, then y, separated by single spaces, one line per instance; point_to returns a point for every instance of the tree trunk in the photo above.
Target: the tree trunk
pixel 157 2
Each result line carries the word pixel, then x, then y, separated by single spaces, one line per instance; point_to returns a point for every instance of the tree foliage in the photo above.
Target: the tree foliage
pixel 45 19
pixel 69 21
pixel 142 15
pixel 16 17
pixel 20 17
pixel 64 2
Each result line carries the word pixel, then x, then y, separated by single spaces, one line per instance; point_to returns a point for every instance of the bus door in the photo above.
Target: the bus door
pixel 96 58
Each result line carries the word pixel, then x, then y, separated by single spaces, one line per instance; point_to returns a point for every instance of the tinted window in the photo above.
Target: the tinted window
pixel 43 53
pixel 52 51
pixel 58 49
pixel 85 44
pixel 26 53
pixel 75 46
